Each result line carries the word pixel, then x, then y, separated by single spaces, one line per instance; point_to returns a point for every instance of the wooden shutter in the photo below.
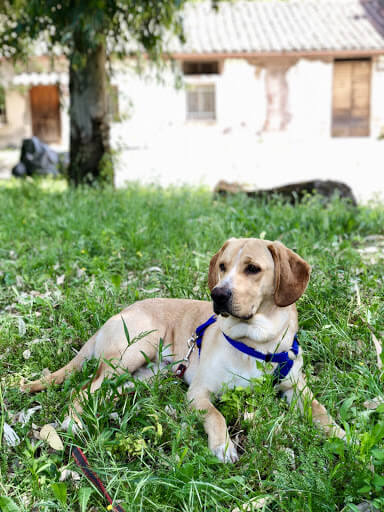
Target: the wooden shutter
pixel 45 112
pixel 351 98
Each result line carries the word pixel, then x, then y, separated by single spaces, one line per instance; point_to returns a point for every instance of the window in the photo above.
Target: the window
pixel 200 67
pixel 201 102
pixel 3 113
pixel 351 98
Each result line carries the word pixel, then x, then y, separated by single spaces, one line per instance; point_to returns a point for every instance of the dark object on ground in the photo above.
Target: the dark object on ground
pixel 38 159
pixel 294 191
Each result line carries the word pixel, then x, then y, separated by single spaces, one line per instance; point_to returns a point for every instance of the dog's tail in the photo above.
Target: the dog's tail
pixel 85 353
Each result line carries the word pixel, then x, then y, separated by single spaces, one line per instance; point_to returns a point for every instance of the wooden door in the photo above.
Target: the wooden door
pixel 351 98
pixel 45 112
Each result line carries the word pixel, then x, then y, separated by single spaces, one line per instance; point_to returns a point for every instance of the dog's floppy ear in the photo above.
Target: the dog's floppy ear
pixel 291 274
pixel 213 271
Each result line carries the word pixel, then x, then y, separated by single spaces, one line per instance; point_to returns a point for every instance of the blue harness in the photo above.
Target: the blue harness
pixel 284 362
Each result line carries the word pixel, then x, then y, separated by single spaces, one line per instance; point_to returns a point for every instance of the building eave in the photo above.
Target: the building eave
pixel 284 54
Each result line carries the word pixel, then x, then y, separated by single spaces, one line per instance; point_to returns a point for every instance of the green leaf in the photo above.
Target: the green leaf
pixel 378 481
pixel 116 281
pixel 344 409
pixel 128 338
pixel 365 489
pixel 336 446
pixel 60 491
pixel 8 505
pixel 84 495
pixel 378 453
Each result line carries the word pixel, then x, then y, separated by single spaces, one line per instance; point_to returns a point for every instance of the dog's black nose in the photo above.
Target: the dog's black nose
pixel 221 297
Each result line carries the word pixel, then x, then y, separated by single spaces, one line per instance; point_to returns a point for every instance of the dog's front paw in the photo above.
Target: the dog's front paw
pixel 226 452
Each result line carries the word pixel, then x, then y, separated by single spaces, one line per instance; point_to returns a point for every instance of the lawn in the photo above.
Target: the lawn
pixel 71 259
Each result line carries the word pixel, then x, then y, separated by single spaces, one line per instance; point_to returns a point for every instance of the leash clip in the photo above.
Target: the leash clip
pixel 182 368
pixel 191 345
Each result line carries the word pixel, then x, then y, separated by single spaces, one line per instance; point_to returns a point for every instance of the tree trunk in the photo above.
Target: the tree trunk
pixel 90 158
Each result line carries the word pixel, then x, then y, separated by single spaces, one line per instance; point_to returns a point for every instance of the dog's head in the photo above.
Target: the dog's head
pixel 247 273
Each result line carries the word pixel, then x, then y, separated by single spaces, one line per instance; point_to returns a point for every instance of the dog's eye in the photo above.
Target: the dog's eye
pixel 222 267
pixel 252 269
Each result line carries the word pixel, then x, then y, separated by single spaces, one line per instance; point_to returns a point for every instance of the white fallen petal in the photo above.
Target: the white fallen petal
pixel 151 290
pixel 153 269
pixel 249 415
pixel 49 434
pixel 67 474
pixel 27 354
pixel 374 403
pixel 171 411
pixel 254 504
pixel 10 436
pixel 70 425
pixel 60 279
pixel 80 272
pixel 24 416
pixel 36 340
pixel 22 326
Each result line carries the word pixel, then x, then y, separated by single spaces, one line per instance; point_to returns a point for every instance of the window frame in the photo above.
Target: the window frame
pixel 199 114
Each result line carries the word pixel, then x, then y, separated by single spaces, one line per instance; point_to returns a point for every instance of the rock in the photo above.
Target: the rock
pixel 293 191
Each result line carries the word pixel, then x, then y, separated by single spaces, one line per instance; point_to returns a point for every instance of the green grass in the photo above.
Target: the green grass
pixel 104 243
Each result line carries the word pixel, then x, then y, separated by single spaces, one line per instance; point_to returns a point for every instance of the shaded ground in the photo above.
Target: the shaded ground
pixel 239 156
pixel 268 162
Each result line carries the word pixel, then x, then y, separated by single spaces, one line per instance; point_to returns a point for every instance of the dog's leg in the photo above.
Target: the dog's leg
pixel 215 426
pixel 132 359
pixel 303 395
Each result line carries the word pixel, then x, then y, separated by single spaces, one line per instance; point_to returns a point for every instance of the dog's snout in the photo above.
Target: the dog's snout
pixel 221 297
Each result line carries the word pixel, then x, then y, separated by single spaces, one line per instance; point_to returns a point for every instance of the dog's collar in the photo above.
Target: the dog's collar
pixel 284 362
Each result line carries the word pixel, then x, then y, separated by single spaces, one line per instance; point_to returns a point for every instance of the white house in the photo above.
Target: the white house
pixel 309 68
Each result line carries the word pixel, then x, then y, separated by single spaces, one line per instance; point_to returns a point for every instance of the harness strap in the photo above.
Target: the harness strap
pixel 284 365
pixel 284 362
pixel 201 330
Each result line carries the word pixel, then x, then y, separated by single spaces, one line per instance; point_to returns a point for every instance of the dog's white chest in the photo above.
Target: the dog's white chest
pixel 241 374
pixel 233 368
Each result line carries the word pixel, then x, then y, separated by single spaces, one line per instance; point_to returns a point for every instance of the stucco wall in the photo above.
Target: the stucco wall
pixel 377 97
pixel 241 100
pixel 18 125
pixel 150 108
pixel 310 90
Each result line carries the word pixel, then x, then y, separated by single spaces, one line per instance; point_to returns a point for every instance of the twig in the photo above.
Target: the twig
pixel 379 350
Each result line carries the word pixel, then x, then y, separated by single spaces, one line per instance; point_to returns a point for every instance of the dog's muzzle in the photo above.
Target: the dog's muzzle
pixel 222 300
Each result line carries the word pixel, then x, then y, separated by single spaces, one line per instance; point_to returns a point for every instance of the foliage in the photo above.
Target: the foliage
pixel 80 27
pixel 86 32
pixel 72 258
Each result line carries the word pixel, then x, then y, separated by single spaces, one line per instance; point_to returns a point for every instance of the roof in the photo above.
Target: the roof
pixel 283 26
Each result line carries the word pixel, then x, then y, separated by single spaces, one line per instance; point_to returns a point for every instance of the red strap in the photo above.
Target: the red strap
pixel 180 370
pixel 82 462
